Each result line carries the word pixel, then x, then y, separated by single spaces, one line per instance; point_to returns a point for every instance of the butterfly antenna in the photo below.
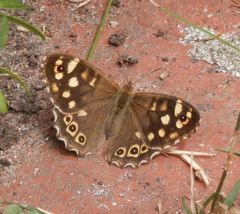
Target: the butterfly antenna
pixel 147 74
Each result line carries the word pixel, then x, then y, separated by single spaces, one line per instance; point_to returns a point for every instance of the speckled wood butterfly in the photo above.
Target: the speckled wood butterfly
pixel 92 112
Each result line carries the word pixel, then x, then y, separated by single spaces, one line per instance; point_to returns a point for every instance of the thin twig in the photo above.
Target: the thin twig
pixel 199 172
pixel 80 5
pixel 183 152
pixel 192 184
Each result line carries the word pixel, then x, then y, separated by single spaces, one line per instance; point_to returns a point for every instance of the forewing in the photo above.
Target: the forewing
pixel 164 120
pixel 74 83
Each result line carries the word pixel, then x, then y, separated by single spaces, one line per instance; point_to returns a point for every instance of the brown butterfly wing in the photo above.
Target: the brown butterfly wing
pixel 82 132
pixel 164 119
pixel 74 83
pixel 82 97
pixel 153 123
pixel 127 148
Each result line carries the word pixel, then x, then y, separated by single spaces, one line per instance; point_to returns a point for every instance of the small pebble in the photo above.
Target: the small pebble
pixel 113 24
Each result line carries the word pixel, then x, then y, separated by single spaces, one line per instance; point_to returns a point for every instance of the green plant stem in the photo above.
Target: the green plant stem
pixel 185 21
pixel 17 78
pixel 98 32
pixel 218 190
pixel 3 103
pixel 4 27
pixel 232 143
pixel 185 207
pixel 231 197
pixel 13 4
pixel 24 24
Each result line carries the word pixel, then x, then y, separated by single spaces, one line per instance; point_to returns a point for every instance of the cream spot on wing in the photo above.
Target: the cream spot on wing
pixel 173 135
pixel 59 76
pixel 55 69
pixel 133 151
pixel 71 104
pixel 189 114
pixel 179 101
pixel 71 66
pixel 81 138
pixel 54 87
pixel 84 75
pixel 73 82
pixel 153 108
pixel 121 152
pixel 165 119
pixel 185 122
pixel 150 136
pixel 138 135
pixel 66 94
pixel 67 119
pixel 178 109
pixel 92 82
pixel 59 62
pixel 82 113
pixel 72 128
pixel 179 124
pixel 163 106
pixel 161 132
pixel 143 148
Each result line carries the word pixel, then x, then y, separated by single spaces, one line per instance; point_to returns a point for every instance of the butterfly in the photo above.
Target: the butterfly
pixel 94 113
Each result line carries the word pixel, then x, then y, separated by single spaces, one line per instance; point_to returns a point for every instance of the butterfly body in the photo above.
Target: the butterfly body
pixel 92 113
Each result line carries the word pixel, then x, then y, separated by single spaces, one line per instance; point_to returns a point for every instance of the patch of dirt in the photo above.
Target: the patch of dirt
pixel 127 60
pixel 117 39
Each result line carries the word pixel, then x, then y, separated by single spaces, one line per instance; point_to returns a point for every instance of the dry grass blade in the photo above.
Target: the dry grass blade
pixel 186 156
pixel 82 3
pixel 199 172
pixel 79 1
pixel 192 184
pixel 159 205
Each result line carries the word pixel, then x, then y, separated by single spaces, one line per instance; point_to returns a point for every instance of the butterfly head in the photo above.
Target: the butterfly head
pixel 128 88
